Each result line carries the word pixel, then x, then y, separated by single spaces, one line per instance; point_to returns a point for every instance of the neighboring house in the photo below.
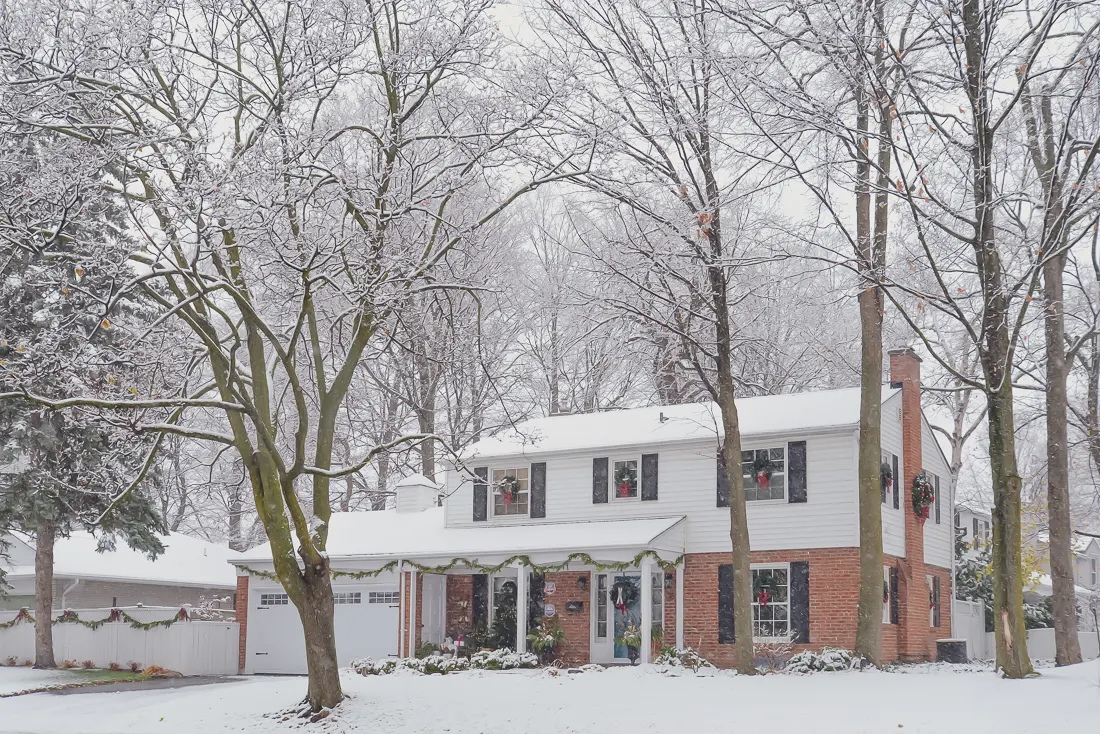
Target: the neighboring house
pixel 1086 558
pixel 975 525
pixel 636 502
pixel 190 571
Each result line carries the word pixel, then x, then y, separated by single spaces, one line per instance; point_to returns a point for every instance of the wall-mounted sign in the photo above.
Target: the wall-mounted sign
pixel 549 610
pixel 549 588
pixel 574 606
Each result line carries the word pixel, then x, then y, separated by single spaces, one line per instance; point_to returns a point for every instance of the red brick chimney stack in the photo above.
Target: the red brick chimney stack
pixel 914 640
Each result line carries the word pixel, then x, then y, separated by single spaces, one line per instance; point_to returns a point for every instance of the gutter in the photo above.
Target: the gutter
pixel 73 585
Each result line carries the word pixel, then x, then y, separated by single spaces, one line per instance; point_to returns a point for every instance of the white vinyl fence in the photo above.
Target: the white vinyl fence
pixel 969 625
pixel 188 647
pixel 1040 644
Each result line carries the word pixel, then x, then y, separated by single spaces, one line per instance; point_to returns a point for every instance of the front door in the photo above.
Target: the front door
pixel 616 605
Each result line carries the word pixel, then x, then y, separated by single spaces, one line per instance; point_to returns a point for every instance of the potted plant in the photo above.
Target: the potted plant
pixel 630 637
pixel 544 639
pixel 656 638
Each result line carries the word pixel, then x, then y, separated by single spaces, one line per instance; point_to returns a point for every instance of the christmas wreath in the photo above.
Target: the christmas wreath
pixel 885 591
pixel 626 478
pixel 765 588
pixel 508 488
pixel 623 595
pixel 924 494
pixel 887 474
pixel 762 469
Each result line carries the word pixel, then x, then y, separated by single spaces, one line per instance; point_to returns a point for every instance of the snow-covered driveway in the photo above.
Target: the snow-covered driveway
pixel 928 700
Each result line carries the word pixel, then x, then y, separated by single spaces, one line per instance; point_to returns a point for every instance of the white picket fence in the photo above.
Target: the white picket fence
pixel 969 625
pixel 188 647
pixel 1040 644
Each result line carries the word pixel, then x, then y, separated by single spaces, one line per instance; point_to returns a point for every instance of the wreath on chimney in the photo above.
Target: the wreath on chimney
pixel 508 488
pixel 924 494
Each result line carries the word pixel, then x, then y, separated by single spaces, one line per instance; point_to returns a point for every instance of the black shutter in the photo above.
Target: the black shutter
pixel 599 481
pixel 897 481
pixel 937 504
pixel 796 471
pixel 882 482
pixel 800 601
pixel 538 489
pixel 893 595
pixel 725 604
pixel 723 481
pixel 535 600
pixel 649 477
pixel 935 601
pixel 481 493
pixel 480 600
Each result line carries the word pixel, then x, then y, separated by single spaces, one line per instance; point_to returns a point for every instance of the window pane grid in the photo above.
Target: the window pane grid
pixel 511 488
pixel 347 597
pixel 382 597
pixel 273 600
pixel 765 473
pixel 771 603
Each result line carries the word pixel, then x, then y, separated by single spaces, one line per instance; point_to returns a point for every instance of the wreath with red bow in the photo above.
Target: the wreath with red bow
pixel 887 475
pixel 924 494
pixel 508 489
pixel 762 469
pixel 626 478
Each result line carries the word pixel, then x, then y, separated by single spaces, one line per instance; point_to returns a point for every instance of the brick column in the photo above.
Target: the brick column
pixel 913 634
pixel 242 620
pixel 575 649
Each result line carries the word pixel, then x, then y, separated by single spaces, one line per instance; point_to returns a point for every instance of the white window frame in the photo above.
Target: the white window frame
pixel 771 567
pixel 786 474
pixel 493 593
pixel 493 490
pixel 347 597
pixel 931 606
pixel 613 488
pixel 274 599
pixel 886 604
pixel 383 597
pixel 657 603
pixel 1092 571
pixel 601 602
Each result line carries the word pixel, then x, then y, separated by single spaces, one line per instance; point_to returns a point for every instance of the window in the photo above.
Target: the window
pixel 601 605
pixel 382 597
pixel 274 600
pixel 504 595
pixel 957 521
pixel 936 482
pixel 976 536
pixel 886 595
pixel 1092 572
pixel 624 481
pixel 347 597
pixel 765 473
pixel 771 603
pixel 657 606
pixel 985 531
pixel 510 491
pixel 886 472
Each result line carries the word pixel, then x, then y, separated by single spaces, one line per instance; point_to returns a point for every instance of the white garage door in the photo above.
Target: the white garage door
pixel 366 626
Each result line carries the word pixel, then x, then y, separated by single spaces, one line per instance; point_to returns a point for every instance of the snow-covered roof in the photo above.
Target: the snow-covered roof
pixel 760 416
pixel 416 480
pixel 1079 543
pixel 1044 586
pixel 388 534
pixel 186 561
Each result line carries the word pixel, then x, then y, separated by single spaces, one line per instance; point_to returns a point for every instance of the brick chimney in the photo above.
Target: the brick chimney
pixel 914 638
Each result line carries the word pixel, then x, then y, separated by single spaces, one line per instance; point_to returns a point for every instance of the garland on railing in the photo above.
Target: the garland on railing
pixel 467 564
pixel 116 615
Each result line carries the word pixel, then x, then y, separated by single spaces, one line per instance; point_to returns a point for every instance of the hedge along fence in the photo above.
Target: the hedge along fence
pixel 144 635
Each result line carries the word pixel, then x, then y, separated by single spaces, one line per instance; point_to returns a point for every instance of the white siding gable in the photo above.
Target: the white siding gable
pixel 893 521
pixel 938 545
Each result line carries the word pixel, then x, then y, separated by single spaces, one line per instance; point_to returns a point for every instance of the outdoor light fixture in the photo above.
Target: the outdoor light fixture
pixel 670 580
pixel 582 582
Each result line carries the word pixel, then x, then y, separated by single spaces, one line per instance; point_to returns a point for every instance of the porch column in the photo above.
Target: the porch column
pixel 647 609
pixel 414 618
pixel 521 607
pixel 680 605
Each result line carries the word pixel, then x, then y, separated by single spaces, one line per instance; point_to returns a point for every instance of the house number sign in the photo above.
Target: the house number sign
pixel 549 610
pixel 549 588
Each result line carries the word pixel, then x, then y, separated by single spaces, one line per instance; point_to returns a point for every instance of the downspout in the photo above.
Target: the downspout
pixel 73 585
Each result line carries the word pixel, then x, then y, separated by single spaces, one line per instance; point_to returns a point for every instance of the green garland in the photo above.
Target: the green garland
pixel 467 564
pixel 116 615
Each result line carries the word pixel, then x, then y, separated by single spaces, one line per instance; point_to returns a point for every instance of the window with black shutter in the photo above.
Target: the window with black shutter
pixel 894 595
pixel 480 600
pixel 800 601
pixel 796 471
pixel 897 482
pixel 538 489
pixel 935 601
pixel 937 481
pixel 725 604
pixel 649 477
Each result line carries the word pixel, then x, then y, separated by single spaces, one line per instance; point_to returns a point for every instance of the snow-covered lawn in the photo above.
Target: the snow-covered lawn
pixel 929 699
pixel 13 680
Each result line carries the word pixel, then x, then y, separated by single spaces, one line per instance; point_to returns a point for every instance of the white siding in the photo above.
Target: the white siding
pixel 937 536
pixel 893 521
pixel 687 487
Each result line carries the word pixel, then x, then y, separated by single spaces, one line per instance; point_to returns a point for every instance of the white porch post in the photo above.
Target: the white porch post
pixel 647 608
pixel 680 605
pixel 414 618
pixel 521 607
pixel 401 607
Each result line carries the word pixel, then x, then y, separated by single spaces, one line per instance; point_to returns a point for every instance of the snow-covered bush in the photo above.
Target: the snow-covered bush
pixel 440 665
pixel 503 659
pixel 686 658
pixel 829 660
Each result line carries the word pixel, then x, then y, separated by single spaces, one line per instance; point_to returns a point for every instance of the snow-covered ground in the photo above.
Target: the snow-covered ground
pixel 930 699
pixel 13 680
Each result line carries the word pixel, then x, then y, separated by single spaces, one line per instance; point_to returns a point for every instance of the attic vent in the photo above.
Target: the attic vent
pixel 899 414
pixel 896 385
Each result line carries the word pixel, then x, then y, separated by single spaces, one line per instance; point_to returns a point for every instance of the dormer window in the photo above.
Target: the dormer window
pixel 511 491
pixel 765 473
pixel 624 484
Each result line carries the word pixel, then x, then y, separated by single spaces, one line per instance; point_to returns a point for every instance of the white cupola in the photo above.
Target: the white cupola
pixel 416 493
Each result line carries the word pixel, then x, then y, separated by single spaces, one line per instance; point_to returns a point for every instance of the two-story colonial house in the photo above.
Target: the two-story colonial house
pixel 620 518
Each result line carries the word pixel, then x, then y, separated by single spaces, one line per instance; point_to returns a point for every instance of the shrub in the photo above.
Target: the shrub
pixel 829 660
pixel 12 661
pixel 28 663
pixel 88 665
pixel 686 658
pixel 771 657
pixel 503 659
pixel 135 667
pixel 115 667
pixel 439 665
pixel 68 664
pixel 427 649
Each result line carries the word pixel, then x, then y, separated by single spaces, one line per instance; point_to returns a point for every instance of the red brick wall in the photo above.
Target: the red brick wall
pixel 834 597
pixel 242 620
pixel 460 604
pixel 413 617
pixel 576 648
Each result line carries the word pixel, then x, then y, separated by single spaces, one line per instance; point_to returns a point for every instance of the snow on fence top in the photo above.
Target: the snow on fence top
pixel 760 416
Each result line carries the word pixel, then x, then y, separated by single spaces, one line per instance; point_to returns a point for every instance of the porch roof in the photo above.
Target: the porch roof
pixel 387 535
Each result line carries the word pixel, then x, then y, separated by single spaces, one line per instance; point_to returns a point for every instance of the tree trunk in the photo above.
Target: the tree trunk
pixel 996 352
pixel 316 611
pixel 43 594
pixel 1067 647
pixel 236 512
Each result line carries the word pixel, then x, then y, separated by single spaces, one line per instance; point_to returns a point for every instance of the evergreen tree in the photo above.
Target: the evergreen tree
pixel 64 259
